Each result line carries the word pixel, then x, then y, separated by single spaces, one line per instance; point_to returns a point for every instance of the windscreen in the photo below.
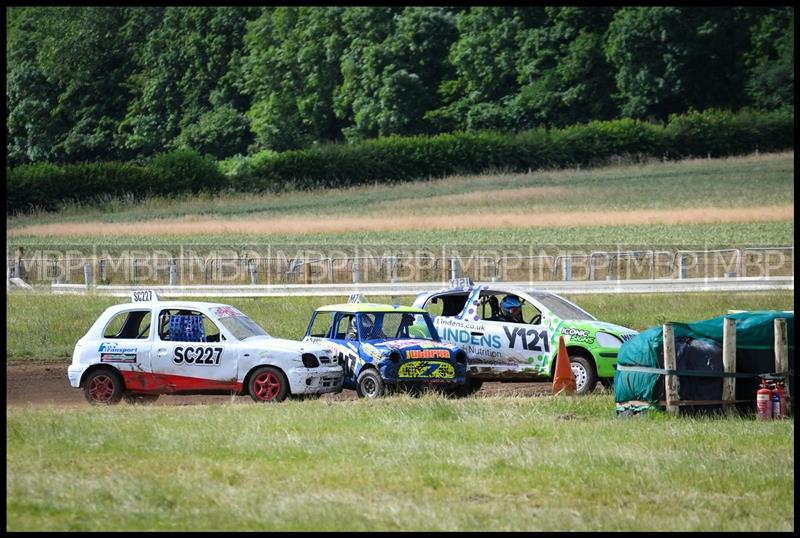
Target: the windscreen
pixel 238 324
pixel 392 325
pixel 561 307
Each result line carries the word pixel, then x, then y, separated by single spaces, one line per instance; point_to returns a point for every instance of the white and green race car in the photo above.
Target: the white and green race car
pixel 523 347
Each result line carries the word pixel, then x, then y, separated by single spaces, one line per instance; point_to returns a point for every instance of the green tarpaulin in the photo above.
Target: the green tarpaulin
pixel 698 348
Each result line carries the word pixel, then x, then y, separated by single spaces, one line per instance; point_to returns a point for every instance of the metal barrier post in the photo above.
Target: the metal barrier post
pixel 253 273
pixel 455 268
pixel 567 268
pixel 173 273
pixel 101 268
pixel 356 273
pixel 87 274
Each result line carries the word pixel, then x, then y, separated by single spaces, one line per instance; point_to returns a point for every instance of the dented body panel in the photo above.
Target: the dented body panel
pixel 525 350
pixel 411 353
pixel 213 352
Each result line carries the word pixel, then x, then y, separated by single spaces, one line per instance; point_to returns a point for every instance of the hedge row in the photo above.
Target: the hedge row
pixel 45 186
pixel 710 133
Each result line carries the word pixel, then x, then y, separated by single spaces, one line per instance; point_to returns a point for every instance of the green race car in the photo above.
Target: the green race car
pixel 511 334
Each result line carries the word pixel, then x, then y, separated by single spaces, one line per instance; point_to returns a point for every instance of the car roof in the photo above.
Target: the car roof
pixel 183 305
pixel 494 287
pixel 353 308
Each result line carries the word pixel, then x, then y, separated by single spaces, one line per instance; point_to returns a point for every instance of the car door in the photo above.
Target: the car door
pixel 335 333
pixel 126 342
pixel 184 359
pixel 524 346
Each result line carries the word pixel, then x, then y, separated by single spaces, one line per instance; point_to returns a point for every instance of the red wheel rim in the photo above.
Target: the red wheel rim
pixel 101 388
pixel 267 386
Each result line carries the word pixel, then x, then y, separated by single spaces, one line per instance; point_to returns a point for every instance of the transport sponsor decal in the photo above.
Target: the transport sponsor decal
pixel 114 347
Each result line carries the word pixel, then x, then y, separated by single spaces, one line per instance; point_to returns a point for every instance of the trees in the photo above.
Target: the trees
pixel 770 60
pixel 100 83
pixel 186 86
pixel 670 59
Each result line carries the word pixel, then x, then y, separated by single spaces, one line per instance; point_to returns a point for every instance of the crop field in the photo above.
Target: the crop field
pixel 733 201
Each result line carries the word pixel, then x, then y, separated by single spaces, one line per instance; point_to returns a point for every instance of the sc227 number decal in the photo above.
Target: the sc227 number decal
pixel 201 356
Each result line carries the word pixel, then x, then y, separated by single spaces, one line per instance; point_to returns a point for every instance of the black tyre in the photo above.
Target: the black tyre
pixel 585 376
pixel 268 384
pixel 474 385
pixel 462 391
pixel 140 399
pixel 608 383
pixel 370 384
pixel 103 387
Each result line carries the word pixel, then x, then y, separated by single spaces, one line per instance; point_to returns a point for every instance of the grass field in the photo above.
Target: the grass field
pixel 500 463
pixel 47 327
pixel 398 464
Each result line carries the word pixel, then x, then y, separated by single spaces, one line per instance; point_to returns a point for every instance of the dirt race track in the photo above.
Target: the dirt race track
pixel 45 383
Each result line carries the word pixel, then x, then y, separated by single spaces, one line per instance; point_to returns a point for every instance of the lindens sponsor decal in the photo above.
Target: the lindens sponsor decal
pixel 113 347
pixel 465 337
pixel 426 369
pixel 428 354
pixel 453 322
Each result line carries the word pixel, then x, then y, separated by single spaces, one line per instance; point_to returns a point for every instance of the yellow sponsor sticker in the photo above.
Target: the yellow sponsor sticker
pixel 427 369
pixel 428 354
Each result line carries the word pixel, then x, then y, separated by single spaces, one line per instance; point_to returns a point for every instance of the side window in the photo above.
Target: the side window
pixel 321 325
pixel 344 329
pixel 186 326
pixel 435 306
pixel 131 324
pixel 530 314
pixel 447 305
pixel 489 307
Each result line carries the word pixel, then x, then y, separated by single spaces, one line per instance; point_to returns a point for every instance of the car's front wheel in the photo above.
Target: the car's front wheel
pixel 585 377
pixel 370 384
pixel 103 387
pixel 268 384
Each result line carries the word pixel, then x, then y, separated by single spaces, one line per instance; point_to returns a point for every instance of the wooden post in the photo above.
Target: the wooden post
pixel 670 363
pixel 306 272
pixel 729 364
pixel 782 354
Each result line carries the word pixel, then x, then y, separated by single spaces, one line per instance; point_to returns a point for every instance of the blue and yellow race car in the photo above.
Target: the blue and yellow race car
pixel 386 346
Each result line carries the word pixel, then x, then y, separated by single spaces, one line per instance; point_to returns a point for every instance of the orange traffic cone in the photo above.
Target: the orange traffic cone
pixel 563 379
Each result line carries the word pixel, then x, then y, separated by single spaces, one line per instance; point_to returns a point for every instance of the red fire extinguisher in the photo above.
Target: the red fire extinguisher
pixel 778 401
pixel 764 402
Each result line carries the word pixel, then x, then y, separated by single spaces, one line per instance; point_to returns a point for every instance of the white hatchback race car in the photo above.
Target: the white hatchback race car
pixel 524 346
pixel 148 347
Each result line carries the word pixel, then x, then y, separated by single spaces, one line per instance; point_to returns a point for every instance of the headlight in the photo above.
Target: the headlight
pixel 608 340
pixel 310 360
